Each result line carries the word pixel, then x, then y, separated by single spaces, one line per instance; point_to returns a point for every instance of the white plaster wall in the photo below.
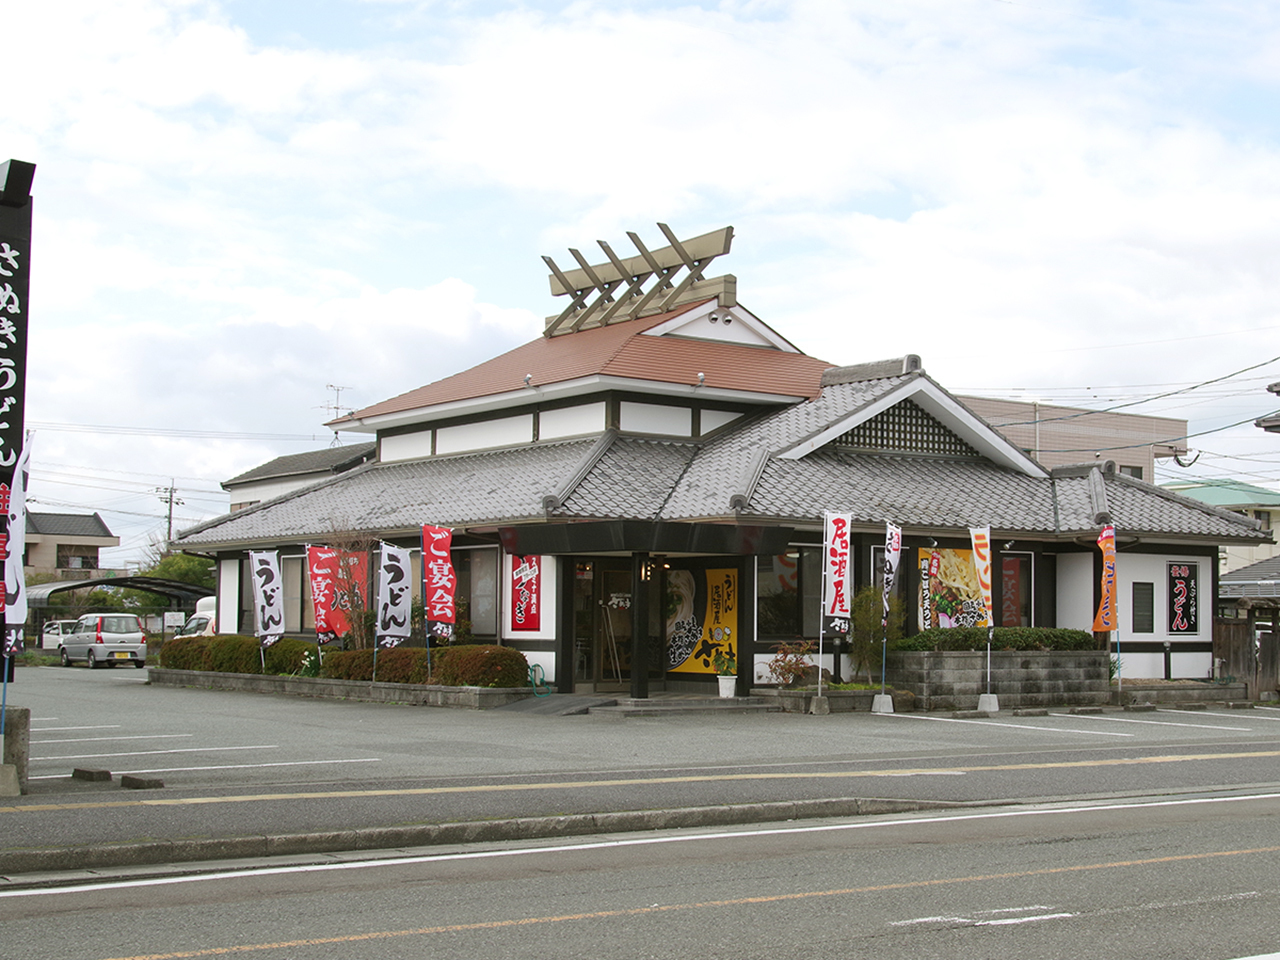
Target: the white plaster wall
pixel 714 419
pixel 655 418
pixel 405 446
pixel 504 432
pixel 1075 591
pixel 571 421
pixel 1154 569
pixel 228 595
pixel 270 489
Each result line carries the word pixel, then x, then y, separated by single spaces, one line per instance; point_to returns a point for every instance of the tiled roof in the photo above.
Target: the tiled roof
pixel 1254 572
pixel 67 525
pixel 390 498
pixel 620 350
pixel 329 460
pixel 731 477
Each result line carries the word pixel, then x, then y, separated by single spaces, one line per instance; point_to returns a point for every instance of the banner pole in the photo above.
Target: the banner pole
pixel 374 677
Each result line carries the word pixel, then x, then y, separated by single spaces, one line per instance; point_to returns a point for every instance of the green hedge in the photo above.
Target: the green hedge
pixel 1004 638
pixel 397 665
pixel 232 653
pixel 466 665
pixel 483 665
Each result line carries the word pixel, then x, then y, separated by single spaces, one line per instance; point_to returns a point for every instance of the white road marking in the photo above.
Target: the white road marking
pixel 1158 723
pixel 100 726
pixel 628 842
pixel 151 736
pixel 147 753
pixel 1015 726
pixel 237 766
pixel 1232 716
pixel 1012 920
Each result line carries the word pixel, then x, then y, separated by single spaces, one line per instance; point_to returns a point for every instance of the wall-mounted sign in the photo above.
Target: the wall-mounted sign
pixel 526 593
pixel 1184 598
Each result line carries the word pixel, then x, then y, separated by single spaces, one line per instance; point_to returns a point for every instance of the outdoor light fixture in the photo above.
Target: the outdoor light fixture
pixel 1009 545
pixel 528 379
pixel 702 378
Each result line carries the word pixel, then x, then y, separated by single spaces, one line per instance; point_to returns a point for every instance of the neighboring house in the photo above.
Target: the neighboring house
pixel 650 478
pixel 293 472
pixel 1245 499
pixel 1056 436
pixel 66 545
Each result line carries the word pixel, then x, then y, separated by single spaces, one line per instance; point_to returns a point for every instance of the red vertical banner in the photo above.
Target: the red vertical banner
pixel 526 593
pixel 836 573
pixel 1106 619
pixel 439 582
pixel 339 582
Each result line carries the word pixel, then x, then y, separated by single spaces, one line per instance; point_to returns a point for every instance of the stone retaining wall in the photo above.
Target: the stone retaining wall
pixel 465 698
pixel 1138 692
pixel 953 680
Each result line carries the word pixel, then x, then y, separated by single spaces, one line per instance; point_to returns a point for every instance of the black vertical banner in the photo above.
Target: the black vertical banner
pixel 15 284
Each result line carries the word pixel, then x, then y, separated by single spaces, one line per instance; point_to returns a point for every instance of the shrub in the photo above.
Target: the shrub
pixel 1004 638
pixel 231 653
pixel 397 665
pixel 791 662
pixel 287 655
pixel 483 665
pixel 186 653
pixel 347 665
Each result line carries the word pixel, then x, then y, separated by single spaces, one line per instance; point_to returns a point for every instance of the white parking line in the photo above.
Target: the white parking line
pixel 1158 723
pixel 150 736
pixel 1015 726
pixel 1232 716
pixel 99 726
pixel 239 766
pixel 147 753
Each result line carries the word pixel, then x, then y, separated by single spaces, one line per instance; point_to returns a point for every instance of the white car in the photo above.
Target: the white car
pixel 105 638
pixel 53 632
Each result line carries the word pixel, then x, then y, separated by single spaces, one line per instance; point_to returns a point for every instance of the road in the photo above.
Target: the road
pixel 1195 878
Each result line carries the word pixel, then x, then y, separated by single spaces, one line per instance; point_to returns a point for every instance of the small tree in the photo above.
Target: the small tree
pixel 184 568
pixel 866 632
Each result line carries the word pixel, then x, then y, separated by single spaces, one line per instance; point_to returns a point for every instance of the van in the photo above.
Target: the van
pixel 202 623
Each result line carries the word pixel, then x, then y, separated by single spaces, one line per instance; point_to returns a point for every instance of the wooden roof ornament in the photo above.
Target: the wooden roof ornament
pixel 614 291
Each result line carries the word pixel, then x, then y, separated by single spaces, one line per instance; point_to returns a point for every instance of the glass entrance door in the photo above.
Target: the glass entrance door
pixel 602 626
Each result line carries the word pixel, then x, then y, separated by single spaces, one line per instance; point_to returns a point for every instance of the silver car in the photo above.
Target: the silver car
pixel 105 638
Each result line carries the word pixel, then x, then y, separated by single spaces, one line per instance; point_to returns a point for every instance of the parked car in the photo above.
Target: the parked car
pixel 53 632
pixel 105 638
pixel 204 622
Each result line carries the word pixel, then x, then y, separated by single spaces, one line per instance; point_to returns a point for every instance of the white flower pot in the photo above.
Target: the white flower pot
pixel 727 685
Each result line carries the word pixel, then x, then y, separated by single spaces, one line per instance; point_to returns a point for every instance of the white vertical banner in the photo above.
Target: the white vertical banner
pixel 15 586
pixel 892 556
pixel 394 596
pixel 981 539
pixel 268 595
pixel 837 576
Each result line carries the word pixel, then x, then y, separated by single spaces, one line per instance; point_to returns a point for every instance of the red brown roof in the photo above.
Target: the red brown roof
pixel 619 350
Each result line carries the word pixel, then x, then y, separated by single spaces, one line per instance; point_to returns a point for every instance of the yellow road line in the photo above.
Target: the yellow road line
pixel 631 782
pixel 701 905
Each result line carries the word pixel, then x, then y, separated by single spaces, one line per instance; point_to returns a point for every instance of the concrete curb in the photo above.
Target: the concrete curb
pixel 100 856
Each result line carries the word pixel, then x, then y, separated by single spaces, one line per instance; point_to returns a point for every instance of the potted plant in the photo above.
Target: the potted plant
pixel 726 665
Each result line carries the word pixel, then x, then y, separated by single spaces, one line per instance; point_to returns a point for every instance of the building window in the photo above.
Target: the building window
pixel 477 573
pixel 1143 608
pixel 1135 472
pixel 787 594
pixel 73 557
pixel 1263 517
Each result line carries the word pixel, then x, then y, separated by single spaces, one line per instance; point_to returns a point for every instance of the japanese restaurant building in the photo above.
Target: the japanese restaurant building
pixel 644 486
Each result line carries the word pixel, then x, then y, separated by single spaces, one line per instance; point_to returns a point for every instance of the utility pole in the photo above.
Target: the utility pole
pixel 169 495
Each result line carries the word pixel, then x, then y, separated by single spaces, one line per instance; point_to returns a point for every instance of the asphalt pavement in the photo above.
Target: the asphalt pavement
pixel 237 775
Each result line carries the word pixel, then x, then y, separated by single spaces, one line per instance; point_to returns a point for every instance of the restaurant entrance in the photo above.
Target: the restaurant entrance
pixel 602 623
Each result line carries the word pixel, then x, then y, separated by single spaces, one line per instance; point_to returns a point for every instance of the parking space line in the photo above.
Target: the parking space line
pixel 146 753
pixel 234 766
pixel 145 736
pixel 1158 723
pixel 1230 716
pixel 97 726
pixel 1015 726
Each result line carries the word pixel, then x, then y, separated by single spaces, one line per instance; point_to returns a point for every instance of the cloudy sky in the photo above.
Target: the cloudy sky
pixel 242 204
